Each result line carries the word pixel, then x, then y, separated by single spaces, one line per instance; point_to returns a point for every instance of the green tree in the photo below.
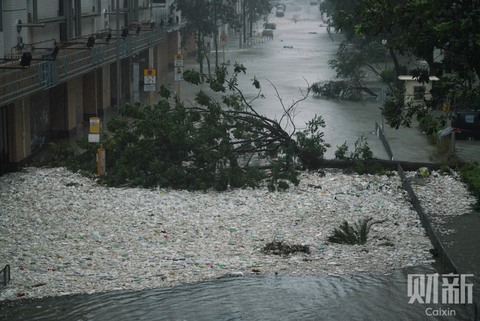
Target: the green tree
pixel 257 9
pixel 416 28
pixel 217 141
pixel 202 18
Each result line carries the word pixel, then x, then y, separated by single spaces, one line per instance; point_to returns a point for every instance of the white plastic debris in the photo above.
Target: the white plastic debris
pixel 64 234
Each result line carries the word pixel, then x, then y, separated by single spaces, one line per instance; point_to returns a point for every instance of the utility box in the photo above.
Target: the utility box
pixel 101 161
pixel 416 92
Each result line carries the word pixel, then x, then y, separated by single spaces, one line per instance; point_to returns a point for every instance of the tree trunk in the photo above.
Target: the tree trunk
pixel 395 62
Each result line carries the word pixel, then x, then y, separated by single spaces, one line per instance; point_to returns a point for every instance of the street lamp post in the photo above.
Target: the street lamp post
pixel 118 56
pixel 384 89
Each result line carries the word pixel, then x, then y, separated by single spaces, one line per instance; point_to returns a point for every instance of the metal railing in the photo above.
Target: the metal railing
pixel 381 134
pixel 447 263
pixel 5 275
pixel 15 84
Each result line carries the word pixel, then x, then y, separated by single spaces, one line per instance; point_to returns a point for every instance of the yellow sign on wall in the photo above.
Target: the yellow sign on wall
pixel 149 72
pixel 94 125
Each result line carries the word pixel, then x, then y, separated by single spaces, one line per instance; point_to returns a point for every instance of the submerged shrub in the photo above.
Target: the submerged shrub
pixel 357 234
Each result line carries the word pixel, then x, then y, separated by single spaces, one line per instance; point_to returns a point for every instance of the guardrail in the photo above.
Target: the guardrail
pixel 5 275
pixel 447 263
pixel 381 134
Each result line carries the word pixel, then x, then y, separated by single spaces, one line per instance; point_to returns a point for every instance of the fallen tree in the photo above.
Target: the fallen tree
pixel 219 140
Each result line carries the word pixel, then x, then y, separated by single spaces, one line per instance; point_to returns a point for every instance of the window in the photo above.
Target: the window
pixel 159 1
pixel 469 119
pixel 418 93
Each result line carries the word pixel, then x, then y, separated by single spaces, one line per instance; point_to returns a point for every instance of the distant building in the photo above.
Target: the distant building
pixel 59 65
pixel 415 91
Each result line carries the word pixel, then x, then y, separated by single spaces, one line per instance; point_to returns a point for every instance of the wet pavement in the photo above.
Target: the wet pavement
pixel 280 297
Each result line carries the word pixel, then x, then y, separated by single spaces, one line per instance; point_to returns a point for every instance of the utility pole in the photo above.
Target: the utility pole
pixel 118 56
pixel 244 22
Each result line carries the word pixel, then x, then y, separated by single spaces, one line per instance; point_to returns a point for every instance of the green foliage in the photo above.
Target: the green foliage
pixel 445 170
pixel 387 75
pixel 63 154
pixel 362 150
pixel 341 152
pixel 311 138
pixel 429 124
pixel 443 154
pixel 357 234
pixel 210 144
pixel 359 155
pixel 412 29
pixel 470 174
pixel 335 90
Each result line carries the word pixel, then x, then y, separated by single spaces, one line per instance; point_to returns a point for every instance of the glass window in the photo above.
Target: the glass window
pixel 469 119
pixel 418 92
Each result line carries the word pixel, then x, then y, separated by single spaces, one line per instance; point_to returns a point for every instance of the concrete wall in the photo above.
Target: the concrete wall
pixel 411 83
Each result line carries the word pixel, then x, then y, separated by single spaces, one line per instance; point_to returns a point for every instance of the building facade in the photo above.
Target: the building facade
pixel 65 61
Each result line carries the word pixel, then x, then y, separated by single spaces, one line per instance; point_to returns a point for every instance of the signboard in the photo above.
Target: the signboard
pixel 94 138
pixel 178 61
pixel 149 72
pixel 94 135
pixel 101 169
pixel 445 131
pixel 178 73
pixel 223 38
pixel 148 87
pixel 149 77
pixel 94 125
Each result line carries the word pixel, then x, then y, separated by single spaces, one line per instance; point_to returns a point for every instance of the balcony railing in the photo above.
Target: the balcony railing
pixel 70 63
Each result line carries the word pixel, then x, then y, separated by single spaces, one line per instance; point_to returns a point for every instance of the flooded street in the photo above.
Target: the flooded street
pixel 298 56
pixel 284 72
pixel 280 297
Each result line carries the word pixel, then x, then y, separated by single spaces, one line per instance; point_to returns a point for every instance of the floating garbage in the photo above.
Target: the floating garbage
pixel 87 238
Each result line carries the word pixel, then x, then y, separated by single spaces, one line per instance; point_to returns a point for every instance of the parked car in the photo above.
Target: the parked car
pixel 313 2
pixel 267 33
pixel 270 25
pixel 468 124
pixel 280 13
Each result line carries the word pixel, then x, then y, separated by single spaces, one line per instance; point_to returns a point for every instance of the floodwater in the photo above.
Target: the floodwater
pixel 283 73
pixel 286 73
pixel 270 297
